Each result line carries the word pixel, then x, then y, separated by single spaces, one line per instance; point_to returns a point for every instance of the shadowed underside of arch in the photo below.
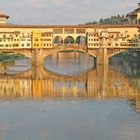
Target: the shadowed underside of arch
pixel 24 52
pixel 116 51
pixel 81 49
pixel 37 55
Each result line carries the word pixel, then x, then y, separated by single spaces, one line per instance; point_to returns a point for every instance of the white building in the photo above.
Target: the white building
pixel 3 18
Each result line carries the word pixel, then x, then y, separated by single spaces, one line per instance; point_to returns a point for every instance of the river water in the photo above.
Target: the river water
pixel 69 98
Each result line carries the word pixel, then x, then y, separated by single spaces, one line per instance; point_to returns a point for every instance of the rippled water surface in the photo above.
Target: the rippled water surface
pixel 69 98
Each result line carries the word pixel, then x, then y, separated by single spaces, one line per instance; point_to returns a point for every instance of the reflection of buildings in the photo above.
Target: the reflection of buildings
pixel 96 84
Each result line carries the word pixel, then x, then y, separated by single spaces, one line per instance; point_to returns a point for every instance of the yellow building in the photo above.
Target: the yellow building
pixel 36 39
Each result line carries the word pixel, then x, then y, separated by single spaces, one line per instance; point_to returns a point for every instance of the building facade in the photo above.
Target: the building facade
pixel 95 36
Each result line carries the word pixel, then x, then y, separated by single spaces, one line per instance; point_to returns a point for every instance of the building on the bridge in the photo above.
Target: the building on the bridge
pixel 113 39
pixel 25 39
pixel 134 16
pixel 42 39
pixel 3 18
pixel 9 39
pixel 46 40
pixel 15 39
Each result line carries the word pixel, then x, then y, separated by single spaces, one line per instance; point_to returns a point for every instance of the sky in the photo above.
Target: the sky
pixel 56 12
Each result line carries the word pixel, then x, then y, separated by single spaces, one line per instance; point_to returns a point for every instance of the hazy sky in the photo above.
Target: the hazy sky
pixel 63 11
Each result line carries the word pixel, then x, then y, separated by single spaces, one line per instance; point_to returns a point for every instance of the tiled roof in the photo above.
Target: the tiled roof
pixel 3 15
pixel 69 26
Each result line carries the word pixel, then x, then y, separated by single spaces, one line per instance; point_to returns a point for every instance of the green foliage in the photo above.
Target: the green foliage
pixel 9 56
pixel 111 20
pixel 92 23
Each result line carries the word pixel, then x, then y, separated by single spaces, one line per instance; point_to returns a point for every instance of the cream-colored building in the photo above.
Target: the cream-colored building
pixel 25 40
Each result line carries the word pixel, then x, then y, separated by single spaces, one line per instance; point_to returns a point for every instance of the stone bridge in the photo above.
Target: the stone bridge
pixel 102 54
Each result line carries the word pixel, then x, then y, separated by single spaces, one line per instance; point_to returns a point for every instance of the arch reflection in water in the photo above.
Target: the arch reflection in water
pixel 69 63
pixel 97 84
pixel 15 67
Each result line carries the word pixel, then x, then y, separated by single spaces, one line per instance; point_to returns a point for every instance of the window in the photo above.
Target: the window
pixel 4 36
pixel 69 31
pixel 28 44
pixel 58 31
pixel 80 31
pixel 123 39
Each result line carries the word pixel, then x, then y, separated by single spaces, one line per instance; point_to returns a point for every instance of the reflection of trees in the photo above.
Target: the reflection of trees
pixel 131 69
pixel 5 65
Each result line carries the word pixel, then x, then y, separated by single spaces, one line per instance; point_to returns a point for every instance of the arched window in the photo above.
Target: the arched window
pixel 58 40
pixel 81 40
pixel 69 40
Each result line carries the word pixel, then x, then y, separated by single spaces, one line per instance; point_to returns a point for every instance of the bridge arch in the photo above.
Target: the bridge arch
pixel 119 51
pixel 26 53
pixel 81 40
pixel 116 53
pixel 69 40
pixel 80 48
pixel 58 40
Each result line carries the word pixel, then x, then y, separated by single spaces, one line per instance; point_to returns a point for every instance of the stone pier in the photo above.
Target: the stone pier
pixel 102 57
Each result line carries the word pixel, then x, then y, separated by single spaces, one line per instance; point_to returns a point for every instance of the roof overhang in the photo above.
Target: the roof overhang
pixel 4 16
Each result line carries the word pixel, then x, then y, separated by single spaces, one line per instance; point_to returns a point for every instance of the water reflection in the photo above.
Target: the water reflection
pixel 15 67
pixel 99 103
pixel 69 63
pixel 100 83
